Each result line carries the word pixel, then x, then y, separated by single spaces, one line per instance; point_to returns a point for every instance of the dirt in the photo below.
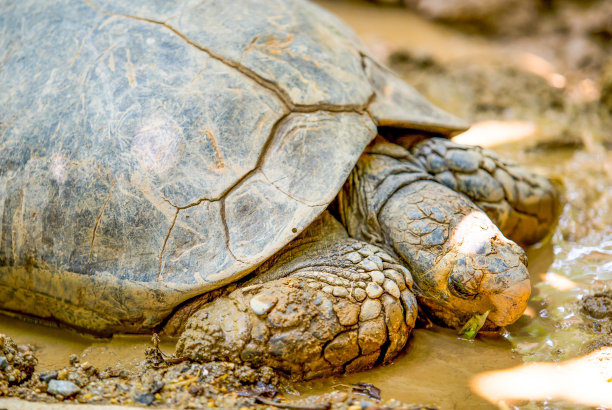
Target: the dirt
pixel 574 35
pixel 154 378
pixel 598 306
pixel 17 364
pixel 546 63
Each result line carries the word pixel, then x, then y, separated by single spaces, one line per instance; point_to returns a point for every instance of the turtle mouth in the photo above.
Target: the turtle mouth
pixel 489 327
pixel 510 304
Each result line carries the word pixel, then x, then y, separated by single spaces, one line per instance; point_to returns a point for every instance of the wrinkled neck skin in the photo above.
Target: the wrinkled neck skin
pixel 461 263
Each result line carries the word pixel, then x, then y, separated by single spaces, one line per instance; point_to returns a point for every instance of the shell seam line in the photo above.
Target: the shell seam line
pixel 95 228
pixel 161 254
pixel 267 84
pixel 226 232
pixel 362 109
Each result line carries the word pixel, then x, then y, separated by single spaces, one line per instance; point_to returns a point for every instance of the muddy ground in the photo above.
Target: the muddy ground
pixel 535 77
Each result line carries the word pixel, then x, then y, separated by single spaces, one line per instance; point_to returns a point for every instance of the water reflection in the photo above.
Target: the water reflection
pixel 585 380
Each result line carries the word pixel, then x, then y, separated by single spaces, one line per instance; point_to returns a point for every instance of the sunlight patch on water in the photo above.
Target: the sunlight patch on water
pixel 584 380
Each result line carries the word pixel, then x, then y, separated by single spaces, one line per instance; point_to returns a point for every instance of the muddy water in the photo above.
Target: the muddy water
pixel 55 346
pixel 435 369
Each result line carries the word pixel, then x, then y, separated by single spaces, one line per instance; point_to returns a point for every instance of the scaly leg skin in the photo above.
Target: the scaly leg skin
pixel 522 204
pixel 460 261
pixel 327 304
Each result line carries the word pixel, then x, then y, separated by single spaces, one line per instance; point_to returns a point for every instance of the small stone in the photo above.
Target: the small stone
pixel 370 310
pixel 62 388
pixel 73 359
pixel 359 294
pixel 353 257
pixel 377 276
pixel 361 285
pixel 3 363
pixel 340 291
pixel 45 377
pixel 338 396
pixel 328 289
pixel 262 304
pixel 391 288
pixel 374 290
pixel 62 375
pixel 156 386
pixel 146 398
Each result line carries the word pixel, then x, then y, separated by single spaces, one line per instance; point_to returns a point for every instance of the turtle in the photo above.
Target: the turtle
pixel 247 176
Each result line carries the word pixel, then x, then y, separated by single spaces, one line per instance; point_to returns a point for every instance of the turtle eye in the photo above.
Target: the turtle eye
pixel 461 289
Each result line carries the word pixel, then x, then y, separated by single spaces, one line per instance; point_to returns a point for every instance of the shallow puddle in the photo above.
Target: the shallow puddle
pixel 435 370
pixel 55 346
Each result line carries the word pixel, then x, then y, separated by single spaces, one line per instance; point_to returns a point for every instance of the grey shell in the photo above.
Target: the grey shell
pixel 154 150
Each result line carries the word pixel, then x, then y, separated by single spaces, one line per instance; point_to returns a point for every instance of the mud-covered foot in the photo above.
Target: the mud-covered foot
pixel 328 304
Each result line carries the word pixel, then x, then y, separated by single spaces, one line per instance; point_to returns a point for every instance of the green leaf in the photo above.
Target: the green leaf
pixel 472 326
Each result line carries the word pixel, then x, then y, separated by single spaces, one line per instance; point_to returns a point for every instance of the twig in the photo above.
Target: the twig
pixel 322 406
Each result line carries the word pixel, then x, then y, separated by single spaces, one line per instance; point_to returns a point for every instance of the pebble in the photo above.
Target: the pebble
pixel 45 377
pixel 145 398
pixel 3 363
pixel 63 388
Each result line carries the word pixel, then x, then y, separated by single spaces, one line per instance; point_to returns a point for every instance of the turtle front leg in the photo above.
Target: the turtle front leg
pixel 461 263
pixel 326 304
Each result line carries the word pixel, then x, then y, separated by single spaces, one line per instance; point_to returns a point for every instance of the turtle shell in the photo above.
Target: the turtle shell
pixel 152 151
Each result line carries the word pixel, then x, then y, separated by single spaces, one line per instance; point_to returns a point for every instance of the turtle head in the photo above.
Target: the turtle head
pixel 482 272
